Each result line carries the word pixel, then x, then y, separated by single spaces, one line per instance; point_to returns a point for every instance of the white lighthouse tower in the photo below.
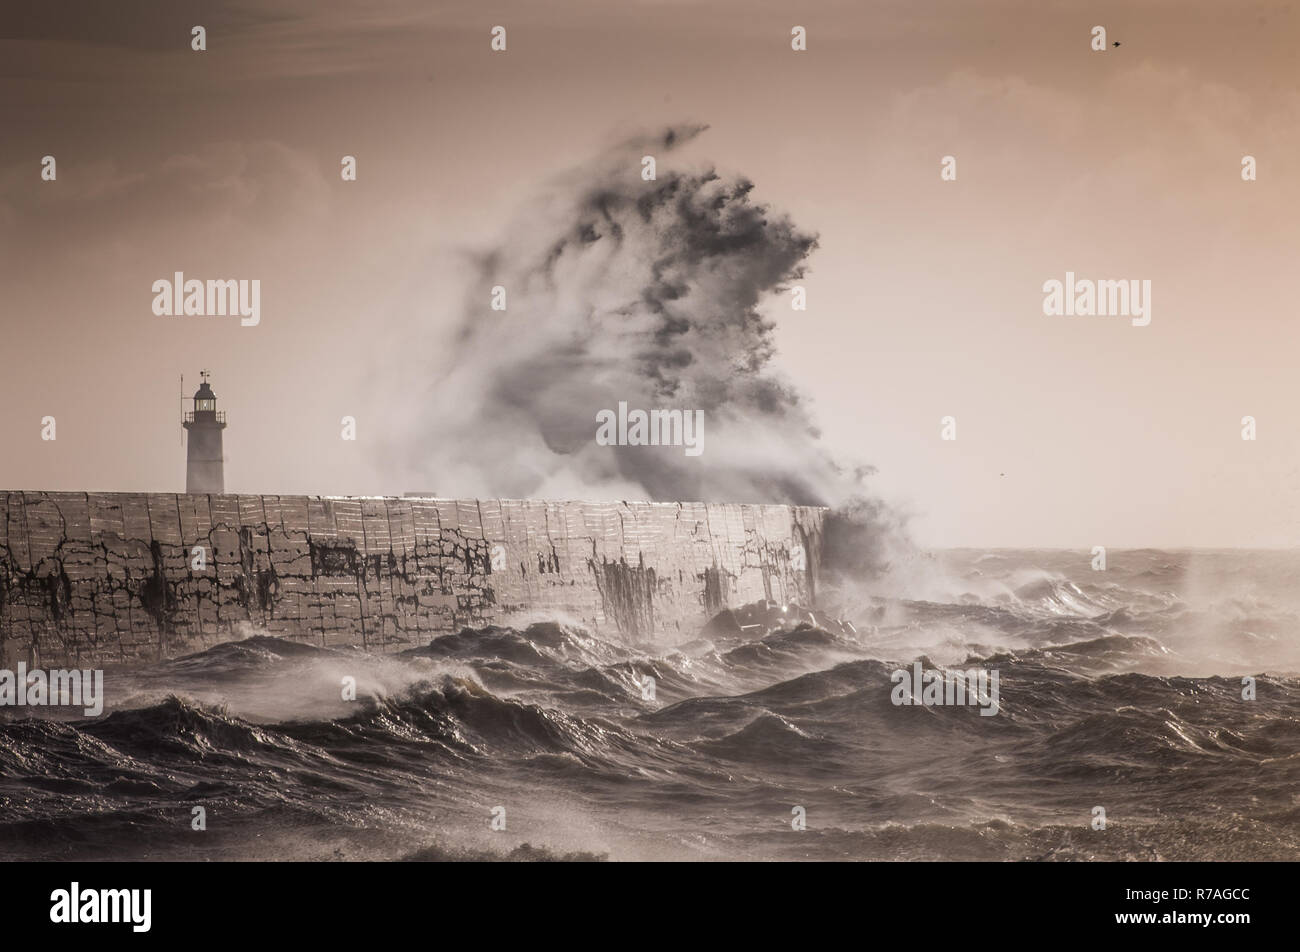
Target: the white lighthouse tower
pixel 204 471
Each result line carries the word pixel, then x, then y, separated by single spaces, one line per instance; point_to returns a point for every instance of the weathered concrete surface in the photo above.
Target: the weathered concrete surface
pixel 102 578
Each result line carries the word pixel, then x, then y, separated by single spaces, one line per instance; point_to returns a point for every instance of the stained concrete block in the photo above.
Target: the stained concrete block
pixel 108 577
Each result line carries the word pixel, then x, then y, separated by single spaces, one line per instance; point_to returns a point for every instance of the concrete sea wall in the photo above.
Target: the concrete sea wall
pixel 105 578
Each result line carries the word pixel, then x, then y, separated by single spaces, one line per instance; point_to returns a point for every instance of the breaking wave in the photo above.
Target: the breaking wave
pixel 1126 694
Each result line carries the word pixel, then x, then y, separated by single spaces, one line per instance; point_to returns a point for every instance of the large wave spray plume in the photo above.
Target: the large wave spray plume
pixel 648 293
pixel 645 292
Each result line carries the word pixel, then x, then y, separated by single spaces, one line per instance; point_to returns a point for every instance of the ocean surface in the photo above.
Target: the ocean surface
pixel 1119 689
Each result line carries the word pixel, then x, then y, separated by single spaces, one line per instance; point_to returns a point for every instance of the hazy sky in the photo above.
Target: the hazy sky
pixel 924 297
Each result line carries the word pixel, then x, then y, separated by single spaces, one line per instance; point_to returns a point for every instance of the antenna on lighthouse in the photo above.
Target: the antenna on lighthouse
pixel 182 410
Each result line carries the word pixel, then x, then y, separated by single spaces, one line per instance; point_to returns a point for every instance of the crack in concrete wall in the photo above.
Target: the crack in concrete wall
pixel 103 578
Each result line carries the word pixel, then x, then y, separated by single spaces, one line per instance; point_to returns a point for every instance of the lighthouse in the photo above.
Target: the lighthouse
pixel 203 467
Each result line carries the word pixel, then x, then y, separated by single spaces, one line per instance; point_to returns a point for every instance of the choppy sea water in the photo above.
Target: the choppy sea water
pixel 1120 689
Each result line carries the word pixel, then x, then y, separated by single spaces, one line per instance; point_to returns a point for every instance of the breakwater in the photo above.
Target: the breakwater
pixel 106 578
